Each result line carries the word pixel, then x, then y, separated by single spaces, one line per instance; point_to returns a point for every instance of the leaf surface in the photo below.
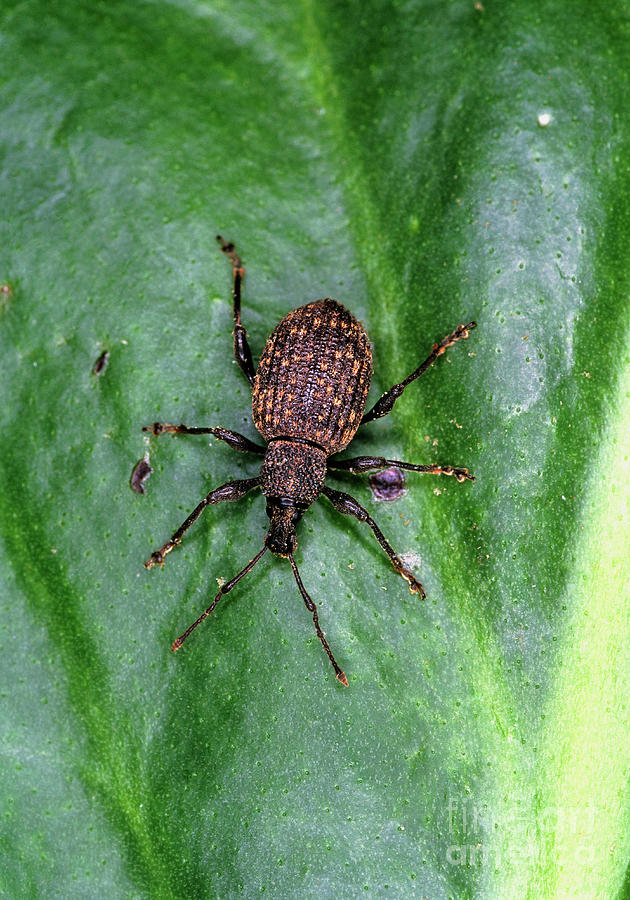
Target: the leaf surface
pixel 426 164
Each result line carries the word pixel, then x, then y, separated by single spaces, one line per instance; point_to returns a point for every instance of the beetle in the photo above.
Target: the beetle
pixel 309 397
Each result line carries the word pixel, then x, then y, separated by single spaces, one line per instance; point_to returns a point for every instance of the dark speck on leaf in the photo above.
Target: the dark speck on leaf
pixel 101 363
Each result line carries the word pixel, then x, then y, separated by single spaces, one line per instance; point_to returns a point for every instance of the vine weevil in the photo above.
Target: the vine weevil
pixel 309 396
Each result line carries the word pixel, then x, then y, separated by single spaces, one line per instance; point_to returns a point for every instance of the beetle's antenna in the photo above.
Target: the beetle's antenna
pixel 320 634
pixel 225 588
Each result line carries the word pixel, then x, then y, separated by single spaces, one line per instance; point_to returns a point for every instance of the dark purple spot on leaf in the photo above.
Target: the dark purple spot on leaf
pixel 388 484
pixel 140 475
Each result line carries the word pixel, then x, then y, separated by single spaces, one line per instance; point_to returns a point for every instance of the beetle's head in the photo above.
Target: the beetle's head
pixel 284 516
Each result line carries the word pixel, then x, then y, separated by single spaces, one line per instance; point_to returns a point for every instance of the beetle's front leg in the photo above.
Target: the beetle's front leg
pixel 232 490
pixel 346 504
pixel 242 353
pixel 359 464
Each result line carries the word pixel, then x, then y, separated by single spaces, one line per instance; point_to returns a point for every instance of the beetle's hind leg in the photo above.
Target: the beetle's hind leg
pixel 385 404
pixel 359 464
pixel 232 438
pixel 242 353
pixel 232 490
pixel 346 504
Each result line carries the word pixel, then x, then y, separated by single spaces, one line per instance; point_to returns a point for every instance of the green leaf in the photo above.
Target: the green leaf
pixel 425 164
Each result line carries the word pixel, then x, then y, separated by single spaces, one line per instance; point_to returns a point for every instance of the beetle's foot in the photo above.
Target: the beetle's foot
pixel 161 428
pixel 157 557
pixel 415 586
pixel 459 474
pixel 230 250
pixel 342 678
pixel 226 246
pixel 460 333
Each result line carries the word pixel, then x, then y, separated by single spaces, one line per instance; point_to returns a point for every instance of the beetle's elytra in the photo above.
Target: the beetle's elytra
pixel 309 395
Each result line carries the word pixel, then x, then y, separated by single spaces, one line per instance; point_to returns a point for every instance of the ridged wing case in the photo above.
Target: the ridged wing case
pixel 313 376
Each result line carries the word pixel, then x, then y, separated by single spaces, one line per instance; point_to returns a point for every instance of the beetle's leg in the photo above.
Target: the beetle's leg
pixel 360 464
pixel 225 588
pixel 320 634
pixel 235 440
pixel 385 404
pixel 242 353
pixel 232 490
pixel 344 503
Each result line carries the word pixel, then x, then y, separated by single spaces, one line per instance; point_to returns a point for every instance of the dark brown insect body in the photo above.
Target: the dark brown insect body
pixel 310 390
pixel 309 397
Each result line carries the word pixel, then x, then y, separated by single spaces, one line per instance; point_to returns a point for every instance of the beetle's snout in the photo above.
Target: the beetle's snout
pixel 281 544
pixel 281 538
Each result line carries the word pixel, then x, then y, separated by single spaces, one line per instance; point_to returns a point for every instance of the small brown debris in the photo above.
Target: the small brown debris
pixel 139 475
pixel 101 364
pixel 6 294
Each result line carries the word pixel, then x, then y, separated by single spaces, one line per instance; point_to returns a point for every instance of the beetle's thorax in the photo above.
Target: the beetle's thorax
pixel 293 469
